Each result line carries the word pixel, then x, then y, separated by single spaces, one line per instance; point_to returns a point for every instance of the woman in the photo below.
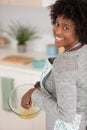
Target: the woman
pixel 63 92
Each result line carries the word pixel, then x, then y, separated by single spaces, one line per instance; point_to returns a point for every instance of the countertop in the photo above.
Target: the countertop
pixel 4 52
pixel 19 75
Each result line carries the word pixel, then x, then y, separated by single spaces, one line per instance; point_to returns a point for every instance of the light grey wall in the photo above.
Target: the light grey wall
pixel 35 16
pixel 29 15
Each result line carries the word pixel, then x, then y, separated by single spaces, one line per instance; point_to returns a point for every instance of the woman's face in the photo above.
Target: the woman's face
pixel 64 32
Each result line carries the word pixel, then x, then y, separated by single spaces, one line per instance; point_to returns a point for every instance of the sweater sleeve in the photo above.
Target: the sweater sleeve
pixel 64 107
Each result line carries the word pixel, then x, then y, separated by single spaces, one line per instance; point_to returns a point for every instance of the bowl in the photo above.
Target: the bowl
pixel 15 102
pixel 38 63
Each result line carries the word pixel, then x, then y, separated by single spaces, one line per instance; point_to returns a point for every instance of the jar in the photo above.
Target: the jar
pixel 52 50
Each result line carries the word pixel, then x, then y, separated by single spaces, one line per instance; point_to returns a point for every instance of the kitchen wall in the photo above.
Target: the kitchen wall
pixel 37 17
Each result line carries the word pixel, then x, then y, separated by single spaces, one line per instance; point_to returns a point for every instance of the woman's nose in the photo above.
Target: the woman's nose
pixel 57 29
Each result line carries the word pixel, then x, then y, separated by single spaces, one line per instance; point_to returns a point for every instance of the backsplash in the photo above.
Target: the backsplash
pixel 37 17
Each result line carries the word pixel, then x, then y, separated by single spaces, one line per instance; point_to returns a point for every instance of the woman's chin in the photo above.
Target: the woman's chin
pixel 58 45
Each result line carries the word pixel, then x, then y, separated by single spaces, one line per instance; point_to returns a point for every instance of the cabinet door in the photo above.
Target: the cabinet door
pixel 20 75
pixel 3 2
pixel 26 2
pixel 11 121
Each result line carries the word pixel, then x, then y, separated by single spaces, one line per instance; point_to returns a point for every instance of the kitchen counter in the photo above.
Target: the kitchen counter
pixel 4 52
pixel 19 74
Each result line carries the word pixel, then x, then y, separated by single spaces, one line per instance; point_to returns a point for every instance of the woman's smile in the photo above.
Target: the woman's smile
pixel 58 39
pixel 64 33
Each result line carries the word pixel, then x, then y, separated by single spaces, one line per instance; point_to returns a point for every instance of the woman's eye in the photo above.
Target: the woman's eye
pixel 65 28
pixel 56 24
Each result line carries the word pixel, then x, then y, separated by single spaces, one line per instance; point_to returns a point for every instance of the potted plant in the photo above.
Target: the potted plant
pixel 22 34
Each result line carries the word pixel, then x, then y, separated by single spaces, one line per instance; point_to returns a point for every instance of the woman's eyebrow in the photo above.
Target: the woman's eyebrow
pixel 65 24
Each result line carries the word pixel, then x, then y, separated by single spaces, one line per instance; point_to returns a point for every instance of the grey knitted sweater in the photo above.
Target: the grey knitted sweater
pixel 65 87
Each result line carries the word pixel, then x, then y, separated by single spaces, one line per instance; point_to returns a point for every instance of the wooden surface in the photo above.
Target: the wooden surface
pixel 16 59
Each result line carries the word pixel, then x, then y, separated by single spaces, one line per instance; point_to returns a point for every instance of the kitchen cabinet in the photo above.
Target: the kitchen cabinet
pixel 4 2
pixel 37 3
pixel 26 2
pixel 20 74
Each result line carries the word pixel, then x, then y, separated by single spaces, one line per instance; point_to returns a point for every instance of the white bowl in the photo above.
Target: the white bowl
pixel 15 102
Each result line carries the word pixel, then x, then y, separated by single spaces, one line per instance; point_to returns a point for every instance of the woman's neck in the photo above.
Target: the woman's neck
pixel 75 47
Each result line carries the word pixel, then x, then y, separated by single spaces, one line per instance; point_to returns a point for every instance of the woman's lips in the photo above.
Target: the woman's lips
pixel 58 39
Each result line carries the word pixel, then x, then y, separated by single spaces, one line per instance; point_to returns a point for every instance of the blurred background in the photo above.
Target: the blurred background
pixel 34 16
pixel 18 66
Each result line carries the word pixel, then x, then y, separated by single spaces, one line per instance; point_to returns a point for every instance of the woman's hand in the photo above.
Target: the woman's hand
pixel 26 99
pixel 37 85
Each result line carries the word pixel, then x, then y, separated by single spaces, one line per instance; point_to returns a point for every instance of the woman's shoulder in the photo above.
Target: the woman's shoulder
pixel 65 62
pixel 66 59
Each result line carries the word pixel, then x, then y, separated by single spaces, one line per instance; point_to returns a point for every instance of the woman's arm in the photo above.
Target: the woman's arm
pixel 64 107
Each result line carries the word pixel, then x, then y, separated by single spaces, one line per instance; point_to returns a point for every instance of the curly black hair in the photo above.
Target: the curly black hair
pixel 75 10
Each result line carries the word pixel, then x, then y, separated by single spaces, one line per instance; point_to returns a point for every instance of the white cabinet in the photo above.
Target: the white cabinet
pixel 37 3
pixel 8 120
pixel 26 2
pixel 3 2
pixel 20 75
pixel 12 121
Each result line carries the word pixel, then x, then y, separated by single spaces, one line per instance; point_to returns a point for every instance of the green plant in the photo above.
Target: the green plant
pixel 1 29
pixel 22 33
